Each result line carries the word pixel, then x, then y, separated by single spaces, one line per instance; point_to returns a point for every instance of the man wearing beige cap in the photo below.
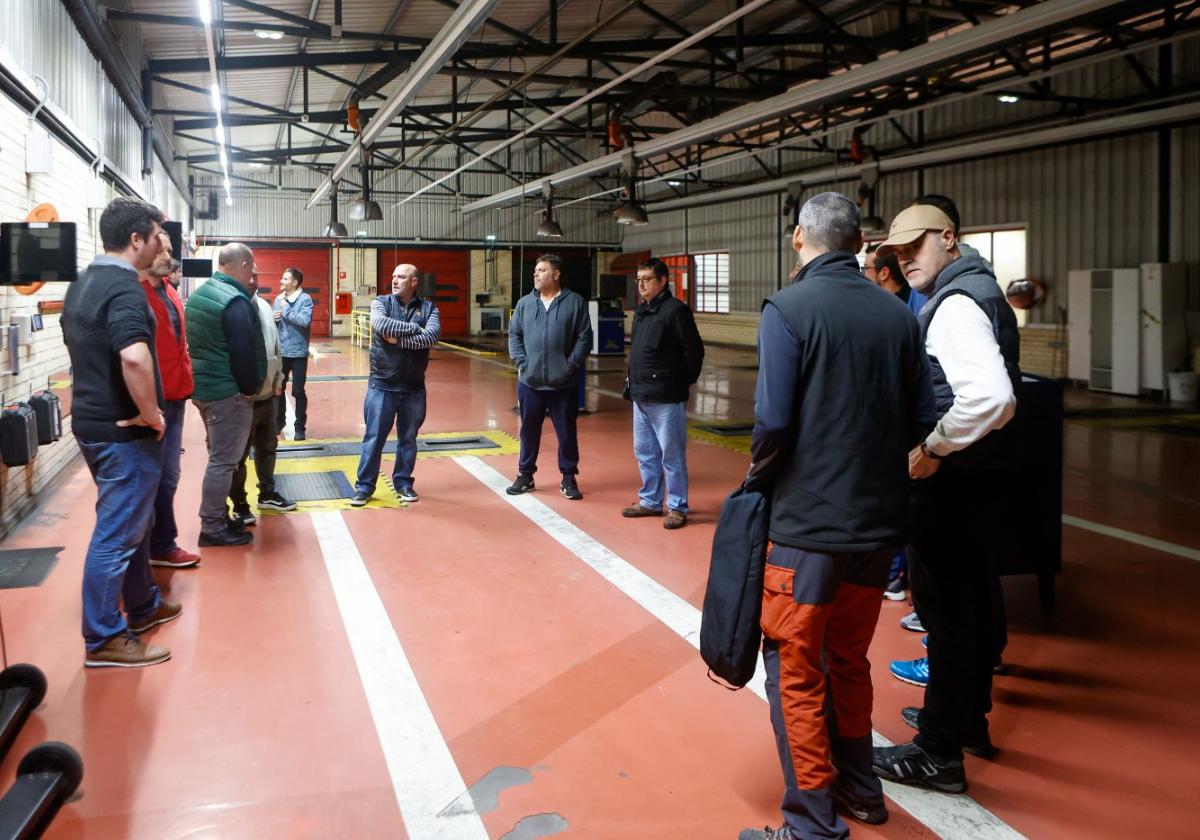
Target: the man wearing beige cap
pixel 971 338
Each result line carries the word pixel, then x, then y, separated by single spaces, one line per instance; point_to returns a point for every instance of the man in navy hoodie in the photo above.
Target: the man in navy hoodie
pixel 549 338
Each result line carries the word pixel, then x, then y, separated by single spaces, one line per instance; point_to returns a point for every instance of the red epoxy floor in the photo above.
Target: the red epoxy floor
pixel 259 725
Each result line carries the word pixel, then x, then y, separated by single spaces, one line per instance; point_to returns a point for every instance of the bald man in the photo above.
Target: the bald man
pixel 229 363
pixel 404 326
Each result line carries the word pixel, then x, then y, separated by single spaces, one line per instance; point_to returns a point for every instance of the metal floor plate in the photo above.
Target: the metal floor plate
pixel 25 567
pixel 314 486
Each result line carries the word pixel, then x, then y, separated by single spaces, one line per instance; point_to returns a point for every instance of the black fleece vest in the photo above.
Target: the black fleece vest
pixel 972 277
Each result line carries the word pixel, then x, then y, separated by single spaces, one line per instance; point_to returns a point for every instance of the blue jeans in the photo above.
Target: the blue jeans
pixel 660 446
pixel 118 558
pixel 381 410
pixel 164 531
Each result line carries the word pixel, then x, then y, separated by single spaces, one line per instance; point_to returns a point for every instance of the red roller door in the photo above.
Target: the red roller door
pixel 451 270
pixel 314 262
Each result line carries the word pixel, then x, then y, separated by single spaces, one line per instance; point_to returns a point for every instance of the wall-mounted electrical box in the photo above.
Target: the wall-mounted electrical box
pixel 39 151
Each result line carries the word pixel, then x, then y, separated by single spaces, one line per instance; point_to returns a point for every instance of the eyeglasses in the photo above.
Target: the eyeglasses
pixel 644 281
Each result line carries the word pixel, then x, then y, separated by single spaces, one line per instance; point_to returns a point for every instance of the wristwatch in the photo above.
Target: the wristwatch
pixel 929 453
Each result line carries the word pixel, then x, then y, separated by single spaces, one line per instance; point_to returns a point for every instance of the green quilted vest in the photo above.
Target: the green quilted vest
pixel 206 339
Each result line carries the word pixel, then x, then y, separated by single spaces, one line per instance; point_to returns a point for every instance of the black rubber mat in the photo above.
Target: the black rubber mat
pixel 326 450
pixel 21 568
pixel 729 431
pixel 314 486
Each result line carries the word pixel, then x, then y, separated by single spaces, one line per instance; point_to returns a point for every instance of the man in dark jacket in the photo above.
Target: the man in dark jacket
pixel 549 338
pixel 405 326
pixel 665 357
pixel 117 416
pixel 176 368
pixel 843 393
pixel 970 335
pixel 229 362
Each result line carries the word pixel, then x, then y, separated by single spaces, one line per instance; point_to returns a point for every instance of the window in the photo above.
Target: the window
pixel 1005 250
pixel 678 277
pixel 712 282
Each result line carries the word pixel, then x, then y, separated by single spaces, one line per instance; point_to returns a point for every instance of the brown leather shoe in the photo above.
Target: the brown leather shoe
pixel 166 612
pixel 636 510
pixel 126 652
pixel 675 519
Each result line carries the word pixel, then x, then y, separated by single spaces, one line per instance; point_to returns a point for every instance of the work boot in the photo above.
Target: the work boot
pixel 637 510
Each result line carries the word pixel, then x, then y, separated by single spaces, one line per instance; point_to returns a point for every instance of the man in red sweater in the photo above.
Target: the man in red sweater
pixel 176 368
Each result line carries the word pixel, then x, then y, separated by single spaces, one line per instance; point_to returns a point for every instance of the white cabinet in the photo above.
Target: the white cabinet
pixel 1126 326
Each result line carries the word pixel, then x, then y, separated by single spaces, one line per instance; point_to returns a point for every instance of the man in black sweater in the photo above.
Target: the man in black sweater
pixel 665 358
pixel 117 417
pixel 843 394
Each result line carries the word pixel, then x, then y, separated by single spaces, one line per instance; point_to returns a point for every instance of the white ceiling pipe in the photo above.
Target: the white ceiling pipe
pixel 462 23
pixel 717 26
pixel 1060 135
pixel 934 54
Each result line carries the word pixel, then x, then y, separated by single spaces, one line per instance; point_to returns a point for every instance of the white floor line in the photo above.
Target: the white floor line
pixel 1131 537
pixel 946 815
pixel 425 778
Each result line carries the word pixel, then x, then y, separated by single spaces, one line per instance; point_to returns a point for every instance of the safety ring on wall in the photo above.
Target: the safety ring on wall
pixel 41 213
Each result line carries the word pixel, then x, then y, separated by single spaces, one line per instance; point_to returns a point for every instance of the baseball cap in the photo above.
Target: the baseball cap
pixel 911 224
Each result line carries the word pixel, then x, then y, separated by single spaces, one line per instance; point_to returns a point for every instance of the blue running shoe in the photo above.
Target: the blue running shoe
pixel 914 671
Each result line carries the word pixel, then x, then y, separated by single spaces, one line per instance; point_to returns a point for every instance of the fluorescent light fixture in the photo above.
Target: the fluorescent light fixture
pixel 224 157
pixel 228 200
pixel 206 11
pixel 227 185
pixel 215 92
pixel 268 35
pixel 360 233
pixel 674 183
pixel 491 237
pixel 1008 98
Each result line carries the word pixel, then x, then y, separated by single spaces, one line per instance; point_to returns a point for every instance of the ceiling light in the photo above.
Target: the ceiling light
pixel 628 211
pixel 206 11
pixel 215 94
pixel 548 227
pixel 363 209
pixel 491 237
pixel 224 157
pixel 227 185
pixel 228 201
pixel 674 183
pixel 360 233
pixel 268 35
pixel 335 229
pixel 1008 98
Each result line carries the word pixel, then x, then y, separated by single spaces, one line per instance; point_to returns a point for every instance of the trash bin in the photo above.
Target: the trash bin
pixel 1182 386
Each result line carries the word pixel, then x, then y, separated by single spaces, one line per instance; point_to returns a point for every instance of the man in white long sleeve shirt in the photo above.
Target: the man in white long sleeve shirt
pixel 405 326
pixel 971 339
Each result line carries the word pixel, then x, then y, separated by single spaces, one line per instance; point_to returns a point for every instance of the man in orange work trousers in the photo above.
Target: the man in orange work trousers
pixel 843 394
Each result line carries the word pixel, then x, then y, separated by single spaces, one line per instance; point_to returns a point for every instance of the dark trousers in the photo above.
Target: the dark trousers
pixel 295 370
pixel 164 531
pixel 819 613
pixel 954 517
pixel 563 407
pixel 264 441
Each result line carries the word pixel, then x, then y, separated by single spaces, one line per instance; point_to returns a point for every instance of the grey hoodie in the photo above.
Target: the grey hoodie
pixel 549 345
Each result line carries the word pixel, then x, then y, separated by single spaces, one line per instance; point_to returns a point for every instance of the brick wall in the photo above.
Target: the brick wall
pixel 44 361
pixel 1044 350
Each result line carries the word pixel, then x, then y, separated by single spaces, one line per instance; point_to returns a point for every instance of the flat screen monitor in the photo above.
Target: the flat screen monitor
pixel 612 286
pixel 37 252
pixel 197 268
pixel 175 231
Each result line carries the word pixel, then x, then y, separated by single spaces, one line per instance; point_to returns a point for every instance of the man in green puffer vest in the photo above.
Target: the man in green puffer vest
pixel 229 362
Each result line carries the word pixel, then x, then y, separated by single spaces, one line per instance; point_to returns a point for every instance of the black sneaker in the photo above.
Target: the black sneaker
pixel 895 589
pixel 300 435
pixel 273 501
pixel 243 515
pixel 359 499
pixel 522 484
pixel 570 489
pixel 908 764
pixel 870 814
pixel 225 538
pixel 234 524
pixel 407 494
pixel 979 745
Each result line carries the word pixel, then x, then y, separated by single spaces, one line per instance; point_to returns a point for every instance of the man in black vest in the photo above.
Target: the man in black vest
pixel 843 394
pixel 970 335
pixel 404 327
